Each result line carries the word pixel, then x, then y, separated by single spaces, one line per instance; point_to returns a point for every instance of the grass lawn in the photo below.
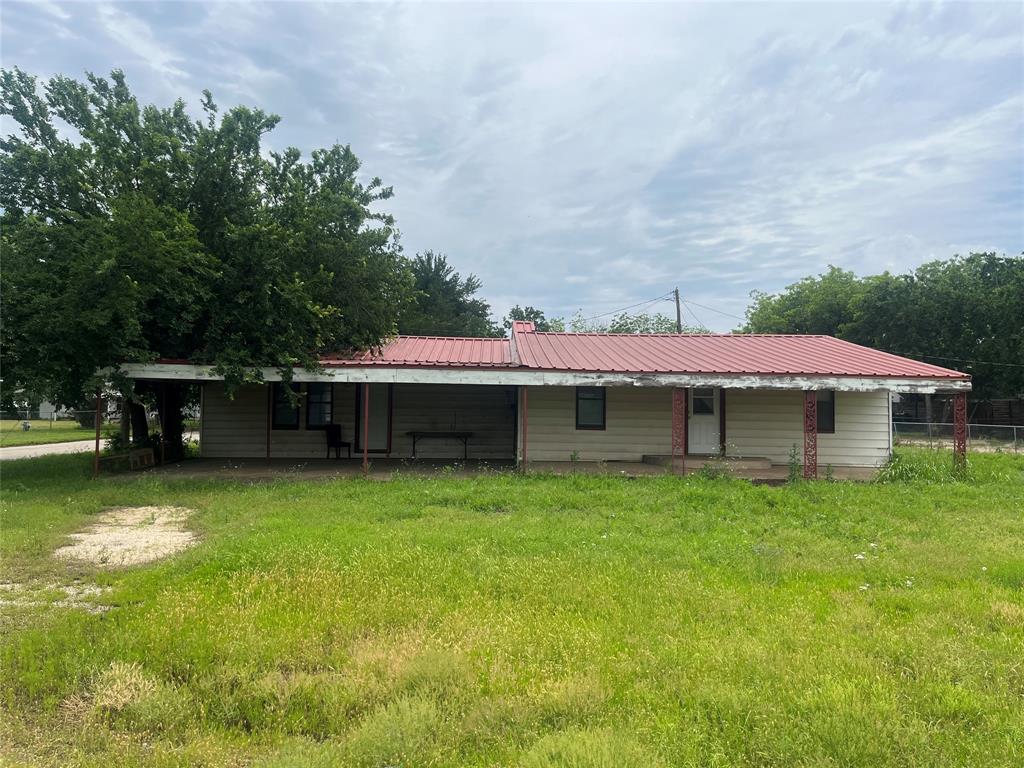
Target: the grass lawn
pixel 535 621
pixel 42 432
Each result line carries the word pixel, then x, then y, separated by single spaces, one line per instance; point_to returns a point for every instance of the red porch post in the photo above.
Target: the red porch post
pixel 366 428
pixel 960 431
pixel 679 430
pixel 524 411
pixel 810 434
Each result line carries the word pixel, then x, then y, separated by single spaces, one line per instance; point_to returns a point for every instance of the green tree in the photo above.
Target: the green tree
pixel 133 232
pixel 535 316
pixel 445 303
pixel 626 322
pixel 821 304
pixel 963 313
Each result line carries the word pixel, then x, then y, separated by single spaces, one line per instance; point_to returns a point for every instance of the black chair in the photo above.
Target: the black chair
pixel 334 441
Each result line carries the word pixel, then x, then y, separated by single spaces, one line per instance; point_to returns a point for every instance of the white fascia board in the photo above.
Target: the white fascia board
pixel 520 377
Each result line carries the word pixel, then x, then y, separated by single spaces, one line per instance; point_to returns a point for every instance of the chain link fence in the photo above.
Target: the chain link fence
pixel 980 437
pixel 28 426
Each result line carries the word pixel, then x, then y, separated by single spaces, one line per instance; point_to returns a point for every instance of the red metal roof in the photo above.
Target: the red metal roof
pixel 433 351
pixel 727 354
pixel 713 354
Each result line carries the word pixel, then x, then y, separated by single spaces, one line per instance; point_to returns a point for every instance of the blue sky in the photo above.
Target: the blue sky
pixel 594 156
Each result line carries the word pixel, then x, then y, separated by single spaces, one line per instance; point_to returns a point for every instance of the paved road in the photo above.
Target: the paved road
pixel 29 451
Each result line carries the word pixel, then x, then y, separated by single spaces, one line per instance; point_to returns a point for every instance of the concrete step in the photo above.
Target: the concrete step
pixel 746 463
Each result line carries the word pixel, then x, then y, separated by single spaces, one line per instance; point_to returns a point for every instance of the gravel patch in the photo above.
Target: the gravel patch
pixel 128 536
pixel 76 595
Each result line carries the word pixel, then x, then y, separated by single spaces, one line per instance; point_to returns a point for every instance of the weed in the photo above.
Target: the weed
pixel 588 749
pixel 795 465
pixel 402 732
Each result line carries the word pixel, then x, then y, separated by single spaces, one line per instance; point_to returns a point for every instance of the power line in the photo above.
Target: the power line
pixel 693 314
pixel 631 306
pixel 712 309
pixel 892 352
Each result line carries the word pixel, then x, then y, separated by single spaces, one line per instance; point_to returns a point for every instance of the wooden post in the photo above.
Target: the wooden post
pixel 96 450
pixel 366 428
pixel 270 414
pixel 524 416
pixel 679 430
pixel 810 434
pixel 960 432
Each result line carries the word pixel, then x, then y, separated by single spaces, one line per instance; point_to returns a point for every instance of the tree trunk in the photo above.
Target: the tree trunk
pixel 126 422
pixel 140 424
pixel 170 398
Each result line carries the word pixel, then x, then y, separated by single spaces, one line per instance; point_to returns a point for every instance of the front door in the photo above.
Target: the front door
pixel 702 430
pixel 380 419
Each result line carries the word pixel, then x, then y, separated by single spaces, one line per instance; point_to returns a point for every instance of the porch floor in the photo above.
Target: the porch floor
pixel 383 469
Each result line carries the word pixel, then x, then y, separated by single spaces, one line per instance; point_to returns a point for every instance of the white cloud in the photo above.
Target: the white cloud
pixel 596 155
pixel 136 37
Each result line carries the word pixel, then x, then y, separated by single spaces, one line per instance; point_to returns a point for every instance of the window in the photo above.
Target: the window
pixel 590 408
pixel 286 414
pixel 318 406
pixel 703 401
pixel 826 412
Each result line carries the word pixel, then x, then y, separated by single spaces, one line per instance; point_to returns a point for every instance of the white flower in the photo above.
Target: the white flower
pixel 873 545
pixel 864 587
pixel 984 568
pixel 859 556
pixel 910 582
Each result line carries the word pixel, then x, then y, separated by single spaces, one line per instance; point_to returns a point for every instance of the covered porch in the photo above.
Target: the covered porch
pixel 842 428
pixel 384 416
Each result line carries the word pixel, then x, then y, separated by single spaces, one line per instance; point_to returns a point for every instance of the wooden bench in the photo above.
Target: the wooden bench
pixel 140 458
pixel 463 436
pixel 136 458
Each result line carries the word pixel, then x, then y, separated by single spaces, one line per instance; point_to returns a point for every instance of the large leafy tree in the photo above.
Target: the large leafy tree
pixel 821 304
pixel 135 232
pixel 533 315
pixel 964 313
pixel 445 303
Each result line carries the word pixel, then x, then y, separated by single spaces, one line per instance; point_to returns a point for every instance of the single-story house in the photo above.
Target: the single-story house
pixel 590 397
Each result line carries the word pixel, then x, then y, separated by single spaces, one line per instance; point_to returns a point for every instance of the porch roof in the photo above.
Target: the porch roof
pixel 595 359
pixel 432 351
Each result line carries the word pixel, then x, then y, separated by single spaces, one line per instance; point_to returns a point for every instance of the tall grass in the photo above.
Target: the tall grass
pixel 536 621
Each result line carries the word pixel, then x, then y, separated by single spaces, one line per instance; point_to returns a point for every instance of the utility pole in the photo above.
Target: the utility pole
pixel 679 314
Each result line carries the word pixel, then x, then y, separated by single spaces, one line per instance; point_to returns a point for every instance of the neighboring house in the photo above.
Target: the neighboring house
pixel 590 397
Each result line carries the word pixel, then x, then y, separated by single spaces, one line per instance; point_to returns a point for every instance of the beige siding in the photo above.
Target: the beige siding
pixel 638 422
pixel 238 428
pixel 763 424
pixel 234 427
pixel 767 424
pixel 486 411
